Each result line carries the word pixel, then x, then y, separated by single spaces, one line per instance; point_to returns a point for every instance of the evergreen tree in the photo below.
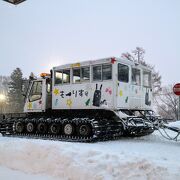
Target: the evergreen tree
pixel 15 98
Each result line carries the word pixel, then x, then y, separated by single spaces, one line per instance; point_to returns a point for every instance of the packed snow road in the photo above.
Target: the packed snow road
pixel 150 157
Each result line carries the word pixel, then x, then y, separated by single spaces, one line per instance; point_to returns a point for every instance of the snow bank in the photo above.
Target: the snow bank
pixel 176 123
pixel 9 174
pixel 149 157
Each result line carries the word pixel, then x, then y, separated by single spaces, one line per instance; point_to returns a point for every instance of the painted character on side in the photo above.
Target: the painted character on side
pixel 97 96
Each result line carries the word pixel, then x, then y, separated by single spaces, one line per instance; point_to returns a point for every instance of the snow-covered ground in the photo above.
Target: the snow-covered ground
pixel 150 157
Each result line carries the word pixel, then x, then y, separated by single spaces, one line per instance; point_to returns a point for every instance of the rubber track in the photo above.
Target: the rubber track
pixel 102 130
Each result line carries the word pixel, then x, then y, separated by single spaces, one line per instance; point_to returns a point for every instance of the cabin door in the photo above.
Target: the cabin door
pixel 123 86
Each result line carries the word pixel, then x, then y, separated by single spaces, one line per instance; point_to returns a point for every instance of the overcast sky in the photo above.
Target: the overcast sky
pixel 39 34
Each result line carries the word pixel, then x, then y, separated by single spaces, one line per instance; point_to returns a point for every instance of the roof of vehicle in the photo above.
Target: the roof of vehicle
pixel 101 61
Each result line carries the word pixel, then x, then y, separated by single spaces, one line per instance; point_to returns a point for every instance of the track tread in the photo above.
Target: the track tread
pixel 101 130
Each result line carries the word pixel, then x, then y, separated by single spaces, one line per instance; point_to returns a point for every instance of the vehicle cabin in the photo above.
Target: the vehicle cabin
pixel 110 83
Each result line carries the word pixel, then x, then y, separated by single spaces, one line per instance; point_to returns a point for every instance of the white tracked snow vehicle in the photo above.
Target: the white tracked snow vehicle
pixel 88 101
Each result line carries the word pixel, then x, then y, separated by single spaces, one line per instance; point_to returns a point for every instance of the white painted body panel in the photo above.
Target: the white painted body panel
pixel 123 95
pixel 114 94
pixel 109 94
pixel 80 96
pixel 135 97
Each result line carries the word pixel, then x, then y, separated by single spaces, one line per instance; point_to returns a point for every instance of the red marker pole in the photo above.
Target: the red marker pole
pixel 176 90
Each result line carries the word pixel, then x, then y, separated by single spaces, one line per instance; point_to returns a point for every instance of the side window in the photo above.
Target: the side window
pixel 66 76
pixel 36 91
pixel 123 73
pixel 85 73
pixel 146 79
pixel 136 76
pixel 97 73
pixel 76 75
pixel 62 76
pixel 58 77
pixel 107 71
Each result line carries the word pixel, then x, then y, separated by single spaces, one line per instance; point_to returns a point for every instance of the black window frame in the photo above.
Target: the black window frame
pixel 62 81
pixel 85 80
pixel 101 65
pixel 31 93
pixel 123 80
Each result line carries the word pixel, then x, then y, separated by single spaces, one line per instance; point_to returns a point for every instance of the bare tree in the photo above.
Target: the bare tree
pixel 139 53
pixel 128 56
pixel 167 103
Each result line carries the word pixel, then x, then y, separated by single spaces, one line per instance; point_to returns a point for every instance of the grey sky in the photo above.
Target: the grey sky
pixel 39 34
